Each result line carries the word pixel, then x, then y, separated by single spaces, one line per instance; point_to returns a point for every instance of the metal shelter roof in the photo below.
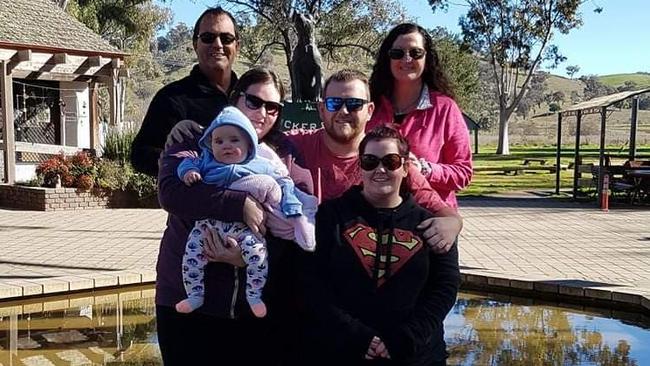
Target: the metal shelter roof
pixel 594 105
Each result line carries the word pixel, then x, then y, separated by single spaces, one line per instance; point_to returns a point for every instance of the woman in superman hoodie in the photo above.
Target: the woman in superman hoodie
pixel 354 294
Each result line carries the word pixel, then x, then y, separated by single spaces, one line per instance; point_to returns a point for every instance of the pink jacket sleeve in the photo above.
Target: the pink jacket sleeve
pixel 454 170
pixel 423 194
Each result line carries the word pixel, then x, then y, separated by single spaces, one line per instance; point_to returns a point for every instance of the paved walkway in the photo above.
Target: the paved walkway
pixel 529 244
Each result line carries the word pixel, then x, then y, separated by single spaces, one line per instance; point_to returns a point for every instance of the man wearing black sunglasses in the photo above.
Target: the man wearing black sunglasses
pixel 331 153
pixel 199 96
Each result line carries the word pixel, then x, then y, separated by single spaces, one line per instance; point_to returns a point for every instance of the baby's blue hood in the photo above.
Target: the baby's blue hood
pixel 231 116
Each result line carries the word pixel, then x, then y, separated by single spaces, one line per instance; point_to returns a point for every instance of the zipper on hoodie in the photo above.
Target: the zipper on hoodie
pixel 233 301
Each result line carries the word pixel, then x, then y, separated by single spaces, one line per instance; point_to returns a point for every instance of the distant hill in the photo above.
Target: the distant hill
pixel 614 80
pixel 565 85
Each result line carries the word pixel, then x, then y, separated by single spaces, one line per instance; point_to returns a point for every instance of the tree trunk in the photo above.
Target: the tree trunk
pixel 287 56
pixel 503 147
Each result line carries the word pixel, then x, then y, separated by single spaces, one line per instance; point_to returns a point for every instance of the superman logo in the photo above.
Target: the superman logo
pixel 363 240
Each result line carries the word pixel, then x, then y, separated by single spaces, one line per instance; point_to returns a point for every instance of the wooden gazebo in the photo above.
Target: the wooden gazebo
pixel 41 46
pixel 600 106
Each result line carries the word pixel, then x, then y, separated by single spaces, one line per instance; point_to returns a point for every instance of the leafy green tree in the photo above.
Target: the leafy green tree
pixel 594 88
pixel 174 50
pixel 127 24
pixel 461 68
pixel 345 30
pixel 572 70
pixel 514 37
pixel 554 107
pixel 628 85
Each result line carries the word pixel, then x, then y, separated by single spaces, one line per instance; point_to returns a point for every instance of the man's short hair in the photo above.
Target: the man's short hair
pixel 347 75
pixel 213 12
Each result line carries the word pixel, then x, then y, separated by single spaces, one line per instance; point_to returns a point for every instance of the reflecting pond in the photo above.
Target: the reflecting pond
pixel 118 328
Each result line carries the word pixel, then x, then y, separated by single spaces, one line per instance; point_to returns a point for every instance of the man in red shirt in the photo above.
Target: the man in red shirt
pixel 331 154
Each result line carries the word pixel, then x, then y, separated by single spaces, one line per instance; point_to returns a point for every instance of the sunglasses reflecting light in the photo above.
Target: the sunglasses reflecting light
pixel 391 162
pixel 334 104
pixel 209 38
pixel 398 53
pixel 255 103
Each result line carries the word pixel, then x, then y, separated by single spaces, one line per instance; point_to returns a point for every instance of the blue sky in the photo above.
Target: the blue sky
pixel 614 41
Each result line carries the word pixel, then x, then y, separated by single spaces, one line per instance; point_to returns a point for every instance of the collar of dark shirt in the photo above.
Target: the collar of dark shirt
pixel 204 83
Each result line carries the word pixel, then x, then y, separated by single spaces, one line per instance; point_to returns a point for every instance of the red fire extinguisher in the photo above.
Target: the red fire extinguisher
pixel 604 202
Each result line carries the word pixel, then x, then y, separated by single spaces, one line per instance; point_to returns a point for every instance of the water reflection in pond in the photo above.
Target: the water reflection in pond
pixel 482 331
pixel 118 328
pixel 102 328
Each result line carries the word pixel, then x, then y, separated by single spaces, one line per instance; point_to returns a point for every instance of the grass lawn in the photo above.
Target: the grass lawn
pixel 499 182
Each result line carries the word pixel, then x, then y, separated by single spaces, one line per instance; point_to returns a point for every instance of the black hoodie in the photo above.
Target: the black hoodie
pixel 353 295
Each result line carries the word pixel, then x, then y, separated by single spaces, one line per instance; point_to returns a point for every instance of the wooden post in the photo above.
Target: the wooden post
pixel 113 100
pixel 92 116
pixel 633 127
pixel 601 160
pixel 6 94
pixel 576 158
pixel 115 92
pixel 476 141
pixel 559 151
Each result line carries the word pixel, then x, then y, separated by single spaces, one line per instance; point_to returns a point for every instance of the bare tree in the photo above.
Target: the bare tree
pixel 335 26
pixel 514 37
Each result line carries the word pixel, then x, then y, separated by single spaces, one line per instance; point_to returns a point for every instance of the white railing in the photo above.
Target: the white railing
pixel 31 147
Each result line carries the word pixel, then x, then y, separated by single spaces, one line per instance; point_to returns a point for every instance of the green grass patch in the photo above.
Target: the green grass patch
pixel 484 183
pixel 614 80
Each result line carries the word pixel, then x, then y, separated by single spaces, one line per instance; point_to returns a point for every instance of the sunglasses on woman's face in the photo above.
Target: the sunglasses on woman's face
pixel 398 53
pixel 391 162
pixel 255 103
pixel 334 104
pixel 209 38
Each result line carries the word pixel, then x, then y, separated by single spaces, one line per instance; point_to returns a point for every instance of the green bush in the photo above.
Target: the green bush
pixel 117 144
pixel 113 175
pixel 143 185
pixel 118 176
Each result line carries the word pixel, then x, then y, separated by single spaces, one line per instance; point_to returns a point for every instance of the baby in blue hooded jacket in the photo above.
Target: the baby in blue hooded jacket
pixel 231 158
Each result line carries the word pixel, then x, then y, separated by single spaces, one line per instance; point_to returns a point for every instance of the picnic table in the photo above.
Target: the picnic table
pixel 534 160
pixel 518 169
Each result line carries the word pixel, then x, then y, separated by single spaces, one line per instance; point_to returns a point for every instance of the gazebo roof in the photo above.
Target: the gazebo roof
pixel 40 24
pixel 594 105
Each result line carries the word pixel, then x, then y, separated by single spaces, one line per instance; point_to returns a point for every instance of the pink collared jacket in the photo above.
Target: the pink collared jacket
pixel 437 133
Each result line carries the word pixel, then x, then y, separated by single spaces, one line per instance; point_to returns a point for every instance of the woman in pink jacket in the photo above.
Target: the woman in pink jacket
pixel 417 98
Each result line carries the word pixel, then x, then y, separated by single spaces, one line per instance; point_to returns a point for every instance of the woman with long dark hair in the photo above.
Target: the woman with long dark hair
pixel 409 88
pixel 220 331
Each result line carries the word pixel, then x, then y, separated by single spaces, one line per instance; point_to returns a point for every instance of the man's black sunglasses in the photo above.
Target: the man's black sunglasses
pixel 209 38
pixel 391 162
pixel 398 53
pixel 333 104
pixel 253 102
